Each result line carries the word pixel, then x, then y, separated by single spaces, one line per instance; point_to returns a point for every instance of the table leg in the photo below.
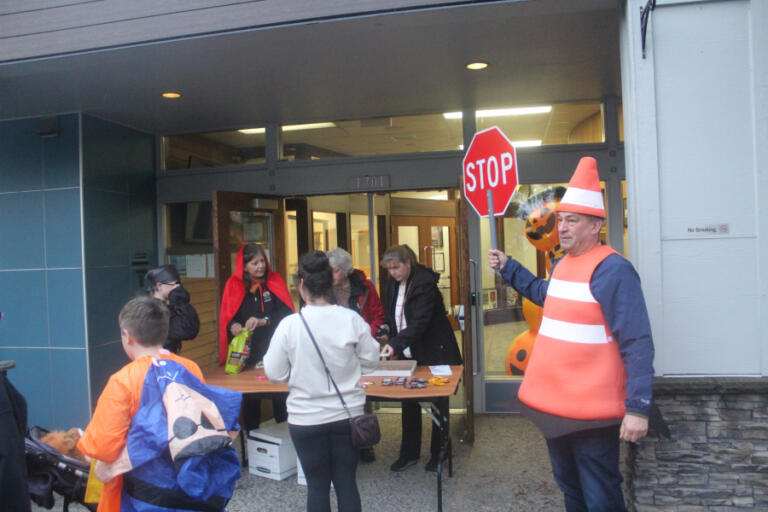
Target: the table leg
pixel 433 411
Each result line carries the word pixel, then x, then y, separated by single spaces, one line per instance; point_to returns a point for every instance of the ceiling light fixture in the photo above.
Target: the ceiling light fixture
pixel 290 128
pixel 171 95
pixel 499 112
pixel 475 66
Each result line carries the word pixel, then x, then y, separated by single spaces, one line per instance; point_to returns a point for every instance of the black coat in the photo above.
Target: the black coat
pixel 428 332
pixel 14 496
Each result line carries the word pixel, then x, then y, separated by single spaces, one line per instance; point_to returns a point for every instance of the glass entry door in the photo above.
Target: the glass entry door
pixel 433 239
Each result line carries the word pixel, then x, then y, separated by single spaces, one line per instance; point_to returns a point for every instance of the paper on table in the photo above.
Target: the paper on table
pixel 441 370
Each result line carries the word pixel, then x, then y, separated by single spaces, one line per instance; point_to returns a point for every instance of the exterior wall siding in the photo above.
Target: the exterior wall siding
pixel 50 27
pixel 41 274
pixel 120 234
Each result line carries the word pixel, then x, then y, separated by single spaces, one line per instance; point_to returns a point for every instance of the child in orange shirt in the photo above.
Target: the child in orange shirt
pixel 143 330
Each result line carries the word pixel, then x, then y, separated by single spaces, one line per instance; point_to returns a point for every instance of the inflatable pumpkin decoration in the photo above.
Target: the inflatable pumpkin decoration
pixel 540 215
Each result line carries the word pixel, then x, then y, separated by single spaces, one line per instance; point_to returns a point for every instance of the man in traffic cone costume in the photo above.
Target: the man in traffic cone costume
pixel 589 380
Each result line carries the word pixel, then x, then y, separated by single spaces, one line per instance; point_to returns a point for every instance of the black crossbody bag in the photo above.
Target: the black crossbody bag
pixel 364 428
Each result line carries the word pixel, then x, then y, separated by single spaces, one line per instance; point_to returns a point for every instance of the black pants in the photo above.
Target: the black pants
pixel 327 455
pixel 14 494
pixel 410 447
pixel 252 411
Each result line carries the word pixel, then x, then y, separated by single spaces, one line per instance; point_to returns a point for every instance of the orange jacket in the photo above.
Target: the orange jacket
pixel 106 434
pixel 575 370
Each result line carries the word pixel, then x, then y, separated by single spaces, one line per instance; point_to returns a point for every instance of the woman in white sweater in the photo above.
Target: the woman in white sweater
pixel 318 423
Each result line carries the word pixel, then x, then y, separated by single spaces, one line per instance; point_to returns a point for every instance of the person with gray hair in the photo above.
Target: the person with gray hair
pixel 353 290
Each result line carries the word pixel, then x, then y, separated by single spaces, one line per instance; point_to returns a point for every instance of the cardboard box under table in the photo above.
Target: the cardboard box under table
pixel 270 451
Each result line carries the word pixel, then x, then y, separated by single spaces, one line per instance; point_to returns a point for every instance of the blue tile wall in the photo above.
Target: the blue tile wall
pixel 25 313
pixel 61 158
pixel 40 229
pixel 20 156
pixel 107 228
pixel 62 228
pixel 69 388
pixel 66 316
pixel 32 377
pixel 105 360
pixel 108 289
pixel 21 230
pixel 119 216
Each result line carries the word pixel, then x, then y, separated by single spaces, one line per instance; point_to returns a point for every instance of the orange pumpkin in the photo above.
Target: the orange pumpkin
pixel 532 314
pixel 518 353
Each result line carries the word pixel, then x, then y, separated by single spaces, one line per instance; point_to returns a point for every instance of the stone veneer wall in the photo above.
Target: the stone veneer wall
pixel 717 457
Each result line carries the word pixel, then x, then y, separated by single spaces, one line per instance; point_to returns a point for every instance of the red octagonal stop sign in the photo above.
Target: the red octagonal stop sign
pixel 490 163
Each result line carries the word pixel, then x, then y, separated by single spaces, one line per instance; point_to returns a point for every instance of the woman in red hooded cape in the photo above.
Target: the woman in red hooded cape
pixel 255 298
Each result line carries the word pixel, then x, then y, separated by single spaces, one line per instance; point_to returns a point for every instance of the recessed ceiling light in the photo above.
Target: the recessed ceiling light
pixel 474 66
pixel 171 95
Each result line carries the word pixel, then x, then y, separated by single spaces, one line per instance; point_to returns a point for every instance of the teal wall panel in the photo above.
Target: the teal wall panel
pixel 119 204
pixel 41 274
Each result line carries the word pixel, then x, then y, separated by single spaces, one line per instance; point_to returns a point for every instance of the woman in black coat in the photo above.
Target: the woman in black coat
pixel 418 330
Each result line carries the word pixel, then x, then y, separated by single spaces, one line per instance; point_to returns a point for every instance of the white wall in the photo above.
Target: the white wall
pixel 695 109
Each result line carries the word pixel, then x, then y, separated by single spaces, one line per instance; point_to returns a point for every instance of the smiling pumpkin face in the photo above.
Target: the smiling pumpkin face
pixel 541 226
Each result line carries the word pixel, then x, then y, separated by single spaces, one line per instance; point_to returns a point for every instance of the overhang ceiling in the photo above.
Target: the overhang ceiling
pixel 540 52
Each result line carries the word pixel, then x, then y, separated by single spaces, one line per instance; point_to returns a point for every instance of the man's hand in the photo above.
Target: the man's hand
pixel 496 259
pixel 633 428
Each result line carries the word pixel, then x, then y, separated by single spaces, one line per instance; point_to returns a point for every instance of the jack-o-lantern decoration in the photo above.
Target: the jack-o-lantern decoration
pixel 518 353
pixel 541 226
pixel 540 215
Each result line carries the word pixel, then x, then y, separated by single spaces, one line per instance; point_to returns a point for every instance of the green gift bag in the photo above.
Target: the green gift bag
pixel 239 349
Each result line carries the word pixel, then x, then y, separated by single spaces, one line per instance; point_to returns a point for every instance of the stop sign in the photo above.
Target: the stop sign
pixel 490 163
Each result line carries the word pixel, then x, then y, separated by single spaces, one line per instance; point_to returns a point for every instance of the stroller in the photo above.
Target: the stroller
pixel 49 470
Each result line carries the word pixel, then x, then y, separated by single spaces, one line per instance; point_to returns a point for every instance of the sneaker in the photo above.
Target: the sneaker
pixel 431 465
pixel 367 455
pixel 402 464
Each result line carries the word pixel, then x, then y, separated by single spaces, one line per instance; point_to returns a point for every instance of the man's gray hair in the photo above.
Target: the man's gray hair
pixel 340 258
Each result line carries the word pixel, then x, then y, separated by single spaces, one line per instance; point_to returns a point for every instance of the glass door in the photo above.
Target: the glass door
pixel 433 239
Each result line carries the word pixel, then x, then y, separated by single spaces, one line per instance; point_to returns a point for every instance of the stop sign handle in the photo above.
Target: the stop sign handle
pixel 492 220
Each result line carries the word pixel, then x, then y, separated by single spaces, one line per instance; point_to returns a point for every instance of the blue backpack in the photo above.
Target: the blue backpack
pixel 181 455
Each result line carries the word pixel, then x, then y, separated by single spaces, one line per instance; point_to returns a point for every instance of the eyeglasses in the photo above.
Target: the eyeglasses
pixel 174 283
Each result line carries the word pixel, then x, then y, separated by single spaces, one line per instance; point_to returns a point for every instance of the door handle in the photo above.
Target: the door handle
pixel 477 363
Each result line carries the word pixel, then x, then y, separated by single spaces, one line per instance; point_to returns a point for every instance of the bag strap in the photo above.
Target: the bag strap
pixel 322 359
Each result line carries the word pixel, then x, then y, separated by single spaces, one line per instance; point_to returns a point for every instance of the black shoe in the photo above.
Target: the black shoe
pixel 367 455
pixel 431 465
pixel 402 464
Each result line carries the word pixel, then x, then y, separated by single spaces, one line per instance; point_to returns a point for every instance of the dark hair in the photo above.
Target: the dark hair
pixel 166 274
pixel 250 252
pixel 146 319
pixel 316 272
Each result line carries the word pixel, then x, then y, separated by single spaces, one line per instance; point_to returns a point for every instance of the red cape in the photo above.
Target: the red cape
pixel 234 293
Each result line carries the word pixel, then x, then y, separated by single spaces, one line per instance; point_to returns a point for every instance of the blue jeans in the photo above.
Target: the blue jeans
pixel 586 467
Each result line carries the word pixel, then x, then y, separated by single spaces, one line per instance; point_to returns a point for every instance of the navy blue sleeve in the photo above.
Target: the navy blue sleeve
pixel 616 286
pixel 526 284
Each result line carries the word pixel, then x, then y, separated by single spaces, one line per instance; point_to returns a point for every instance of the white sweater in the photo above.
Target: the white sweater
pixel 349 351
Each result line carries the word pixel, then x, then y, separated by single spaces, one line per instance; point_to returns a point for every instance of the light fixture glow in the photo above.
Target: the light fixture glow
pixel 475 66
pixel 526 143
pixel 289 128
pixel 308 126
pixel 171 95
pixel 499 112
